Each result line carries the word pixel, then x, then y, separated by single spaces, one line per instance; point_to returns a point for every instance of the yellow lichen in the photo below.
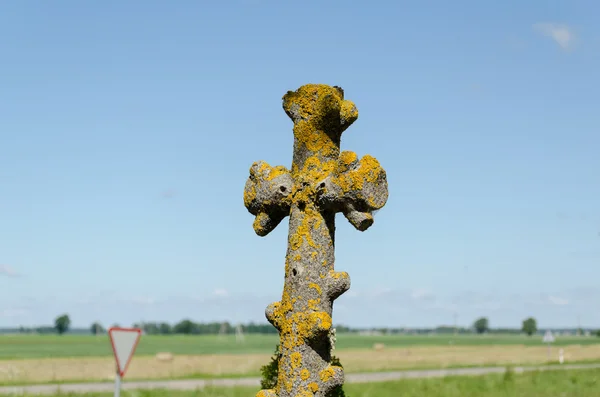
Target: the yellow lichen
pixel 267 393
pixel 286 381
pixel 369 170
pixel 249 195
pixel 277 171
pixel 338 275
pixel 317 222
pixel 326 321
pixel 371 202
pixel 263 167
pixel 315 170
pixel 345 160
pixel 296 360
pixel 302 234
pixel 304 374
pixel 348 113
pixel 317 141
pixel 316 287
pixel 327 374
pixel 320 114
pixel 259 222
pixel 312 106
pixel 295 241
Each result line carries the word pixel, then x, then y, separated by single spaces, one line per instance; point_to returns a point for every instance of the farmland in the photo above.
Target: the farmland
pixel 21 347
pixel 577 383
pixel 43 359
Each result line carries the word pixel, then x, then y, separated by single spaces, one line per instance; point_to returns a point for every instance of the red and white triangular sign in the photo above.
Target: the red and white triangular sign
pixel 124 341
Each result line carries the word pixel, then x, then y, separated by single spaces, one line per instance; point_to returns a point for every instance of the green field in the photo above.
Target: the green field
pixel 34 346
pixel 581 383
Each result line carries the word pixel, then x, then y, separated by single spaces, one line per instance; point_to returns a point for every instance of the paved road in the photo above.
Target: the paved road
pixel 193 384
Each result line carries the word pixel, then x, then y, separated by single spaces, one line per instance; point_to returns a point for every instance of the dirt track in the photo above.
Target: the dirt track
pixel 192 384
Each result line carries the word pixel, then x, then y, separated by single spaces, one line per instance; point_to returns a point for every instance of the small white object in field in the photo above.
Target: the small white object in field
pixel 378 346
pixel 561 357
pixel 164 356
pixel 239 333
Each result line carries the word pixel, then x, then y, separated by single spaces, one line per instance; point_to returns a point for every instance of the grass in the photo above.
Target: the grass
pixel 33 346
pixel 86 369
pixel 579 383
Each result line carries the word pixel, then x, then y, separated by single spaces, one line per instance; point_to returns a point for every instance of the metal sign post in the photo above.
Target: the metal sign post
pixel 117 383
pixel 548 338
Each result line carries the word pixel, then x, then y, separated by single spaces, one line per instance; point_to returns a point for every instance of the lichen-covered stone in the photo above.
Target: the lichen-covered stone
pixel 321 183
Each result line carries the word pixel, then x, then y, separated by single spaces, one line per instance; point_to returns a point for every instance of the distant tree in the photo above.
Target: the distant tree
pixel 151 328
pixel 185 327
pixel 265 328
pixel 148 328
pixel 97 328
pixel 342 328
pixel 45 330
pixel 481 325
pixel 529 326
pixel 165 328
pixel 62 324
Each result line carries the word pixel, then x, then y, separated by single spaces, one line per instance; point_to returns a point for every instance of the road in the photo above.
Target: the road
pixel 193 384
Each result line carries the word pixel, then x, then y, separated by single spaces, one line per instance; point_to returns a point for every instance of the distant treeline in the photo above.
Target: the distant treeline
pixel 189 327
pixel 192 328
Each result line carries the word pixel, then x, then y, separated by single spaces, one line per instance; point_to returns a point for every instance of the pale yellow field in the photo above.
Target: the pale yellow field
pixel 148 367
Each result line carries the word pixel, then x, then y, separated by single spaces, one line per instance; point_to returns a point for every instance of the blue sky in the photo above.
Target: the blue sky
pixel 127 130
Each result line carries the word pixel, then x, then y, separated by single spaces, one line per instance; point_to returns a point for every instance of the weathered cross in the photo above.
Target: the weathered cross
pixel 322 182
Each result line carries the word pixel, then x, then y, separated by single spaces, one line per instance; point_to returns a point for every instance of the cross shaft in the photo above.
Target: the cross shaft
pixel 321 183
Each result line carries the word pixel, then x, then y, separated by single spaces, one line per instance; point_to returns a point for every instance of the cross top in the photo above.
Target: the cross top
pixel 321 183
pixel 320 115
pixel 337 181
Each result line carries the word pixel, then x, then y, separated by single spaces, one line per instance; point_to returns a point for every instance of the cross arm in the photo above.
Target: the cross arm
pixel 357 188
pixel 267 196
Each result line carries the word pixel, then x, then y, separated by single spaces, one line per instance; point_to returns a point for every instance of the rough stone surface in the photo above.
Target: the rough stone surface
pixel 321 183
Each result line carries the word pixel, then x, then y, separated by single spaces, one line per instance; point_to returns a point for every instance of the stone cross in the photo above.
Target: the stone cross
pixel 321 183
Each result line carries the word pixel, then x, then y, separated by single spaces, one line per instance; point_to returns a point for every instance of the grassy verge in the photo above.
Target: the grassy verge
pixel 580 383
